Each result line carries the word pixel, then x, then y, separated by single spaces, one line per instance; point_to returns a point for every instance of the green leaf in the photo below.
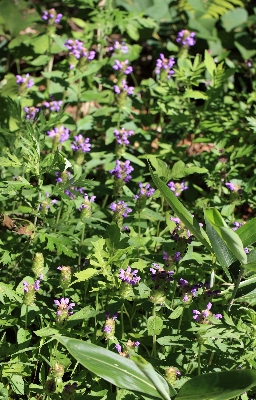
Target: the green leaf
pixel 176 313
pixel 234 18
pixel 134 159
pixel 17 384
pixel 209 63
pixel 47 331
pixel 218 385
pixel 247 232
pixel 195 94
pixel 154 325
pixel 85 123
pixel 230 237
pixel 181 212
pixel 119 371
pixel 83 276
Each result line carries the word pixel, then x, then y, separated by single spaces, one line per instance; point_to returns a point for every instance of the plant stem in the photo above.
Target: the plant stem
pixel 81 245
pixel 180 321
pixel 122 321
pixel 235 289
pixel 26 318
pixel 199 358
pixel 154 336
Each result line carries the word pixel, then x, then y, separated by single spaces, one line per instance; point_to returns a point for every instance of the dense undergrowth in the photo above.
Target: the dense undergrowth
pixel 127 165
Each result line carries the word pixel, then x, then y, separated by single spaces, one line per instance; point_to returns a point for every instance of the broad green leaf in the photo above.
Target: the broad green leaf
pixel 47 331
pixel 181 212
pixel 134 159
pixel 119 371
pixel 83 276
pixel 230 237
pixel 234 18
pixel 247 232
pixel 195 94
pixel 176 313
pixel 155 325
pixel 218 385
pixel 149 371
pixel 209 63
pixel 221 251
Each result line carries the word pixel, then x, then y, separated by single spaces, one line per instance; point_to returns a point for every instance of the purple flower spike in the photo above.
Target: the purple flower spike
pixel 123 88
pixel 61 134
pixel 237 225
pixel 129 276
pixel 53 105
pixel 76 48
pixel 186 38
pixel 230 186
pixel 31 112
pixel 119 48
pixel 122 170
pixel 27 81
pixel 164 65
pixel 118 347
pixel 120 208
pixel 81 143
pixel 177 188
pixel 122 67
pixel 145 191
pixel 122 136
pixel 51 16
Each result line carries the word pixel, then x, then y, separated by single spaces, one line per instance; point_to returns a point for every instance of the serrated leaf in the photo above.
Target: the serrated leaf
pixel 195 94
pixel 83 276
pixel 209 63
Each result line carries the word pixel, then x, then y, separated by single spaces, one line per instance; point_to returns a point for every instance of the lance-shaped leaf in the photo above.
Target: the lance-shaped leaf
pixel 230 237
pixel 181 212
pixel 218 385
pixel 120 371
pixel 247 232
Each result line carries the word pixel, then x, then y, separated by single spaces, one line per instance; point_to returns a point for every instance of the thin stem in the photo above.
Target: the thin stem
pixel 139 226
pixel 235 289
pixel 81 245
pixel 26 318
pixel 211 358
pixel 180 321
pixel 122 320
pixel 154 336
pixel 199 358
pixel 78 98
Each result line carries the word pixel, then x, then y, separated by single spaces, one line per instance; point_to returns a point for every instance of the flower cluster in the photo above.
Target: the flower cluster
pixel 45 205
pixel 122 171
pixel 129 276
pixel 109 327
pixel 65 278
pixel 237 225
pixel 181 232
pixel 53 105
pixel 81 144
pixel 62 177
pixel 186 38
pixel 30 291
pixel 31 112
pixel 130 344
pixel 38 265
pixel 120 208
pixel 78 51
pixel 202 316
pixel 63 310
pixel 171 259
pixel 171 374
pixel 145 191
pixel 122 136
pixel 190 291
pixel 60 134
pixel 25 81
pixel 160 274
pixel 122 67
pixel 164 66
pixel 69 391
pixel 119 48
pixel 233 188
pixel 177 188
pixel 123 88
pixel 51 16
pixel 86 206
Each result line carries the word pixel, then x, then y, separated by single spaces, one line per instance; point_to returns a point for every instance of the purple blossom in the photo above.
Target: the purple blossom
pixel 123 67
pixel 177 188
pixel 145 190
pixel 122 170
pixel 129 276
pixel 76 48
pixel 230 186
pixel 27 287
pixel 59 178
pixel 202 316
pixel 63 305
pixel 86 202
pixel 51 16
pixel 61 134
pixel 176 258
pixel 27 81
pixel 164 65
pixel 175 219
pixel 120 47
pixel 186 38
pixel 118 347
pixel 122 136
pixel 53 105
pixel 31 112
pixel 237 225
pixel 246 250
pixel 81 143
pixel 123 88
pixel 158 273
pixel 120 208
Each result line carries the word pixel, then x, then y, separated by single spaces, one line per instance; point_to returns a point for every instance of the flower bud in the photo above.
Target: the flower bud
pixel 157 296
pixel 29 292
pixel 65 277
pixel 58 370
pixel 171 374
pixel 38 264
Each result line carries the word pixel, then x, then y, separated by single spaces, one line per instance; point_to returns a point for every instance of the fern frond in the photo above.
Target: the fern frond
pixel 7 291
pixel 210 8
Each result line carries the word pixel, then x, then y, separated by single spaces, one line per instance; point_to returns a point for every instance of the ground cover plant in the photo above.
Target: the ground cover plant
pixel 128 265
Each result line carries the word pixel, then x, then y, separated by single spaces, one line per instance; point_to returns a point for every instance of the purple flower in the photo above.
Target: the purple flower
pixel 201 317
pixel 27 81
pixel 177 188
pixel 186 38
pixel 145 190
pixel 237 225
pixel 31 112
pixel 123 67
pixel 28 287
pixel 120 208
pixel 123 88
pixel 63 309
pixel 53 105
pixel 164 65
pixel 160 274
pixel 177 256
pixel 87 202
pixel 51 16
pixel 129 276
pixel 76 48
pixel 122 170
pixel 230 186
pixel 118 347
pixel 122 136
pixel 120 47
pixel 246 250
pixel 61 134
pixel 81 144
